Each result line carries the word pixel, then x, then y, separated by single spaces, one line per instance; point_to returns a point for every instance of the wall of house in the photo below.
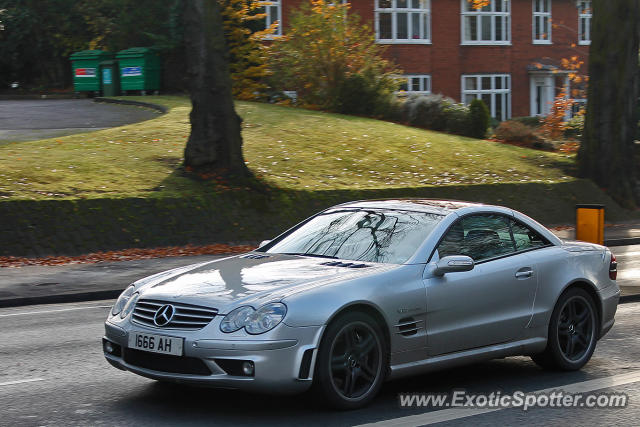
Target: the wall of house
pixel 446 60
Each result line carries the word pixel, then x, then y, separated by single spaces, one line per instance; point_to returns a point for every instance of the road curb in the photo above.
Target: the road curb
pixel 626 241
pixel 61 298
pixel 156 107
pixel 629 299
pixel 32 97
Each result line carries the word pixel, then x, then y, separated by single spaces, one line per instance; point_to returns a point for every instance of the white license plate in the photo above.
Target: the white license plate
pixel 156 343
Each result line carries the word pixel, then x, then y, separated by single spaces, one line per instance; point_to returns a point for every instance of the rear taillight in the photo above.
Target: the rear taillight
pixel 613 268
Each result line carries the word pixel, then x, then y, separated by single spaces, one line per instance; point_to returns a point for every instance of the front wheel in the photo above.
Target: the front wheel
pixel 573 332
pixel 352 361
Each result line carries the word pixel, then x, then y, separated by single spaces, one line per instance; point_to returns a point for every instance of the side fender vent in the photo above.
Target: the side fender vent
pixel 305 365
pixel 408 326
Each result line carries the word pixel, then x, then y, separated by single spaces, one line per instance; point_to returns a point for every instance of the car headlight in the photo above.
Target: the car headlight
pixel 254 321
pixel 265 318
pixel 236 319
pixel 122 300
pixel 128 308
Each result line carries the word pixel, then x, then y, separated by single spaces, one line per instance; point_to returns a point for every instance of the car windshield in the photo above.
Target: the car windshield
pixel 373 235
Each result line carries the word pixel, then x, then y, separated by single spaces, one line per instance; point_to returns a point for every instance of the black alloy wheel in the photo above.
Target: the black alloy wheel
pixel 573 332
pixel 575 328
pixel 355 360
pixel 352 361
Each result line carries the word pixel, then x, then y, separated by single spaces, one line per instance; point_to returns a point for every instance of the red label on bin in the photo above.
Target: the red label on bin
pixel 85 72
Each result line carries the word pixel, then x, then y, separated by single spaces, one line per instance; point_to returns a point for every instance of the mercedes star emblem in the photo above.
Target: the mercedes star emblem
pixel 164 315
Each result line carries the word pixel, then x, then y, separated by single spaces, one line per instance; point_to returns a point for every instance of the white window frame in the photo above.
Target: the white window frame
pixel 267 4
pixel 585 13
pixel 467 10
pixel 424 82
pixel 539 17
pixel 425 22
pixel 504 92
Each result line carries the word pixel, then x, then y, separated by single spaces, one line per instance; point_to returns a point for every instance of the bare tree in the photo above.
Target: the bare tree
pixel 607 151
pixel 215 142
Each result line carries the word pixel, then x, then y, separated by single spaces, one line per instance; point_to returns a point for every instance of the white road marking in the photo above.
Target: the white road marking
pixel 30 380
pixel 54 311
pixel 457 413
pixel 629 253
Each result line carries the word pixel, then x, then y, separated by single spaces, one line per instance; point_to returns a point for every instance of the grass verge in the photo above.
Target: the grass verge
pixel 122 188
pixel 288 148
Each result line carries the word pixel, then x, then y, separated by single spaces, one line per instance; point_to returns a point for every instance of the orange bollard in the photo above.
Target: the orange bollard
pixel 590 223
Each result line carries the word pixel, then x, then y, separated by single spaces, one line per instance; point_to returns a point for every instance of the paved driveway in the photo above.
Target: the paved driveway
pixel 37 119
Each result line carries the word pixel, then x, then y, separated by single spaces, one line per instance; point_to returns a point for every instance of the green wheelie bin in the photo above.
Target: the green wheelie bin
pixel 86 70
pixel 140 70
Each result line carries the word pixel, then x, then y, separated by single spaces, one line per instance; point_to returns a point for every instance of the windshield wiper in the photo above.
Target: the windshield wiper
pixel 309 254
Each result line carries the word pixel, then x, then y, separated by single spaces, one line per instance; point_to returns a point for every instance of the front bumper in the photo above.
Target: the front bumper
pixel 283 362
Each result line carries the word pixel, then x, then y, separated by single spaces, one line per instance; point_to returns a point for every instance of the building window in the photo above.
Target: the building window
pixel 584 22
pixel 493 89
pixel 416 83
pixel 273 10
pixel 489 25
pixel 578 107
pixel 403 21
pixel 541 21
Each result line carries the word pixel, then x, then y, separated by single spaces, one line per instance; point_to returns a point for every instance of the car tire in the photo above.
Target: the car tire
pixel 352 362
pixel 573 332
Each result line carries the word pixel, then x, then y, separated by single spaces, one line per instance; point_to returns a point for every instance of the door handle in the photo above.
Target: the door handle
pixel 524 274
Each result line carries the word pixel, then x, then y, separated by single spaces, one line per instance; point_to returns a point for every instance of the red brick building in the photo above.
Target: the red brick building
pixel 507 53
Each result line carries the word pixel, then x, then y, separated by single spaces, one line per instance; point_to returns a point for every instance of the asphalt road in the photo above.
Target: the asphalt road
pixel 628 258
pixel 26 120
pixel 53 373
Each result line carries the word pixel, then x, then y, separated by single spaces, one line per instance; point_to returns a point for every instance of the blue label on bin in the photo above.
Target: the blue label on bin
pixel 106 76
pixel 131 71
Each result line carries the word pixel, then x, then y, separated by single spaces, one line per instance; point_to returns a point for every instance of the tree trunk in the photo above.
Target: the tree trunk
pixel 215 142
pixel 607 151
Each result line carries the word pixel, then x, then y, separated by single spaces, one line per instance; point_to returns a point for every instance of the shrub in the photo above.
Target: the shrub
pixel 574 127
pixel 426 111
pixel 554 124
pixel 323 47
pixel 438 113
pixel 393 111
pixel 457 119
pixel 531 121
pixel 515 131
pixel 479 118
pixel 365 94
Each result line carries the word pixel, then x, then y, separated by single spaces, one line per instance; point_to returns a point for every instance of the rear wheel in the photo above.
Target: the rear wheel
pixel 572 332
pixel 352 361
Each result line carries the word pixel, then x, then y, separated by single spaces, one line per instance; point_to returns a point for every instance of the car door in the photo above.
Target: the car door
pixel 490 304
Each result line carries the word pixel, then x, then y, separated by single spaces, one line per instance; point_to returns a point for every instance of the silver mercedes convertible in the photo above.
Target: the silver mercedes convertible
pixel 365 292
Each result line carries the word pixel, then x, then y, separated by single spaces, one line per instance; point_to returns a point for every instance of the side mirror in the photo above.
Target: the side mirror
pixel 453 264
pixel 264 242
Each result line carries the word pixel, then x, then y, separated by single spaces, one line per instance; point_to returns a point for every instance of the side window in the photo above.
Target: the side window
pixel 526 238
pixel 478 236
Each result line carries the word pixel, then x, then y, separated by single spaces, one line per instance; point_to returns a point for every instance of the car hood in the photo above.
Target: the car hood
pixel 253 278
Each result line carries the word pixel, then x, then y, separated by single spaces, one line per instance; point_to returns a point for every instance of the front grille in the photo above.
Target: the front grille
pixel 185 316
pixel 166 362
